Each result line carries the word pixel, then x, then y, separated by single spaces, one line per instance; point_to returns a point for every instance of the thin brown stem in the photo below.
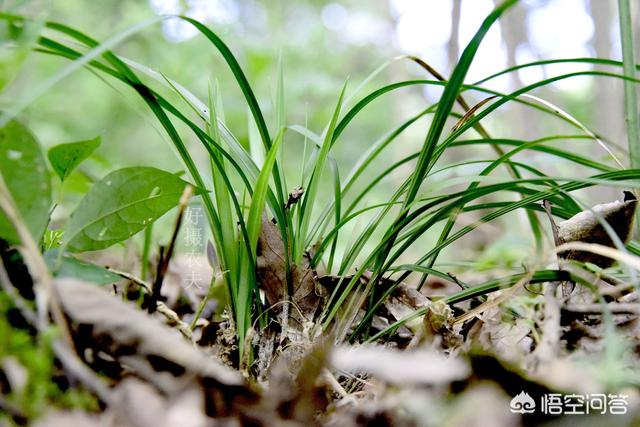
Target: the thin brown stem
pixel 163 264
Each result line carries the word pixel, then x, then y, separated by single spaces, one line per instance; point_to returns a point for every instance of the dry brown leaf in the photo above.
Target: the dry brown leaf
pixel 271 271
pixel 137 404
pixel 155 351
pixel 294 398
pixel 586 227
pixel 404 301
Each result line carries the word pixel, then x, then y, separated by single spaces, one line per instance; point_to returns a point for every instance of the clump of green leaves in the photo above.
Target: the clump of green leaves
pixel 250 183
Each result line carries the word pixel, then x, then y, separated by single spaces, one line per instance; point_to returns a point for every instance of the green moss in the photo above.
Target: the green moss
pixel 35 355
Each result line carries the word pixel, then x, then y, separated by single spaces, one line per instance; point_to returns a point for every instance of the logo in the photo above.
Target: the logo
pixel 522 404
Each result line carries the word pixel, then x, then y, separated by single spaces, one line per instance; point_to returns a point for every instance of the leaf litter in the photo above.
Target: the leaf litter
pixel 432 371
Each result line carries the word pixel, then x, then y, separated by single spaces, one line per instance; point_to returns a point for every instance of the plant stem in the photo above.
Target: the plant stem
pixel 630 94
pixel 163 263
pixel 146 248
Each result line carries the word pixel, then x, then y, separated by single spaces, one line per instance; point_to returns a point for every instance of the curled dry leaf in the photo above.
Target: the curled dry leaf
pixel 586 226
pixel 439 327
pixel 155 351
pixel 305 292
pixel 294 398
pixel 138 404
pixel 404 301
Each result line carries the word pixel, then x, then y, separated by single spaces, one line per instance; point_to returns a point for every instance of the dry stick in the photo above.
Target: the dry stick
pixel 548 348
pixel 163 265
pixel 619 290
pixel 506 295
pixel 174 319
pixel 331 380
pixel 133 279
pixel 161 307
pixel 465 106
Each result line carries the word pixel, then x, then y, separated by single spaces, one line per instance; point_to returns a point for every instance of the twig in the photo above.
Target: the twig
pixel 554 227
pixel 549 345
pixel 173 318
pixel 331 380
pixel 163 264
pixel 505 295
pixel 547 350
pixel 618 291
pixel 133 279
pixel 457 281
pixel 161 307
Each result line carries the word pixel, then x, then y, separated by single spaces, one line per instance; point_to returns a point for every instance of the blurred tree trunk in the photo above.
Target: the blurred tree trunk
pixel 608 112
pixel 608 107
pixel 514 35
pixel 453 48
pixel 635 10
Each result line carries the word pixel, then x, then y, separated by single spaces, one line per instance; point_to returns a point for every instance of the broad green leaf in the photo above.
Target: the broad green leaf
pixel 64 158
pixel 24 171
pixel 71 267
pixel 120 205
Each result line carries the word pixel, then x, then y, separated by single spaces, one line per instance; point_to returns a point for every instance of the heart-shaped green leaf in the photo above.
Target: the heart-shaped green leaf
pixel 120 205
pixel 64 158
pixel 24 171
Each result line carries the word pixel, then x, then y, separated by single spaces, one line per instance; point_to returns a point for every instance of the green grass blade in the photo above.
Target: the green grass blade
pixel 630 91
pixel 310 196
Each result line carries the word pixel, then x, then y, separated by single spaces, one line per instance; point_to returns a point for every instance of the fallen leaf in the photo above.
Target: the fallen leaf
pixel 271 271
pixel 155 351
pixel 586 227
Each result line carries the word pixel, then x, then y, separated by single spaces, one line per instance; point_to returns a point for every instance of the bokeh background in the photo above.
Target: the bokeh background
pixel 322 45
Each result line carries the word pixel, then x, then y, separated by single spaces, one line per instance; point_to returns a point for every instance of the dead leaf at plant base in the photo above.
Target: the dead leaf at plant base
pixel 306 291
